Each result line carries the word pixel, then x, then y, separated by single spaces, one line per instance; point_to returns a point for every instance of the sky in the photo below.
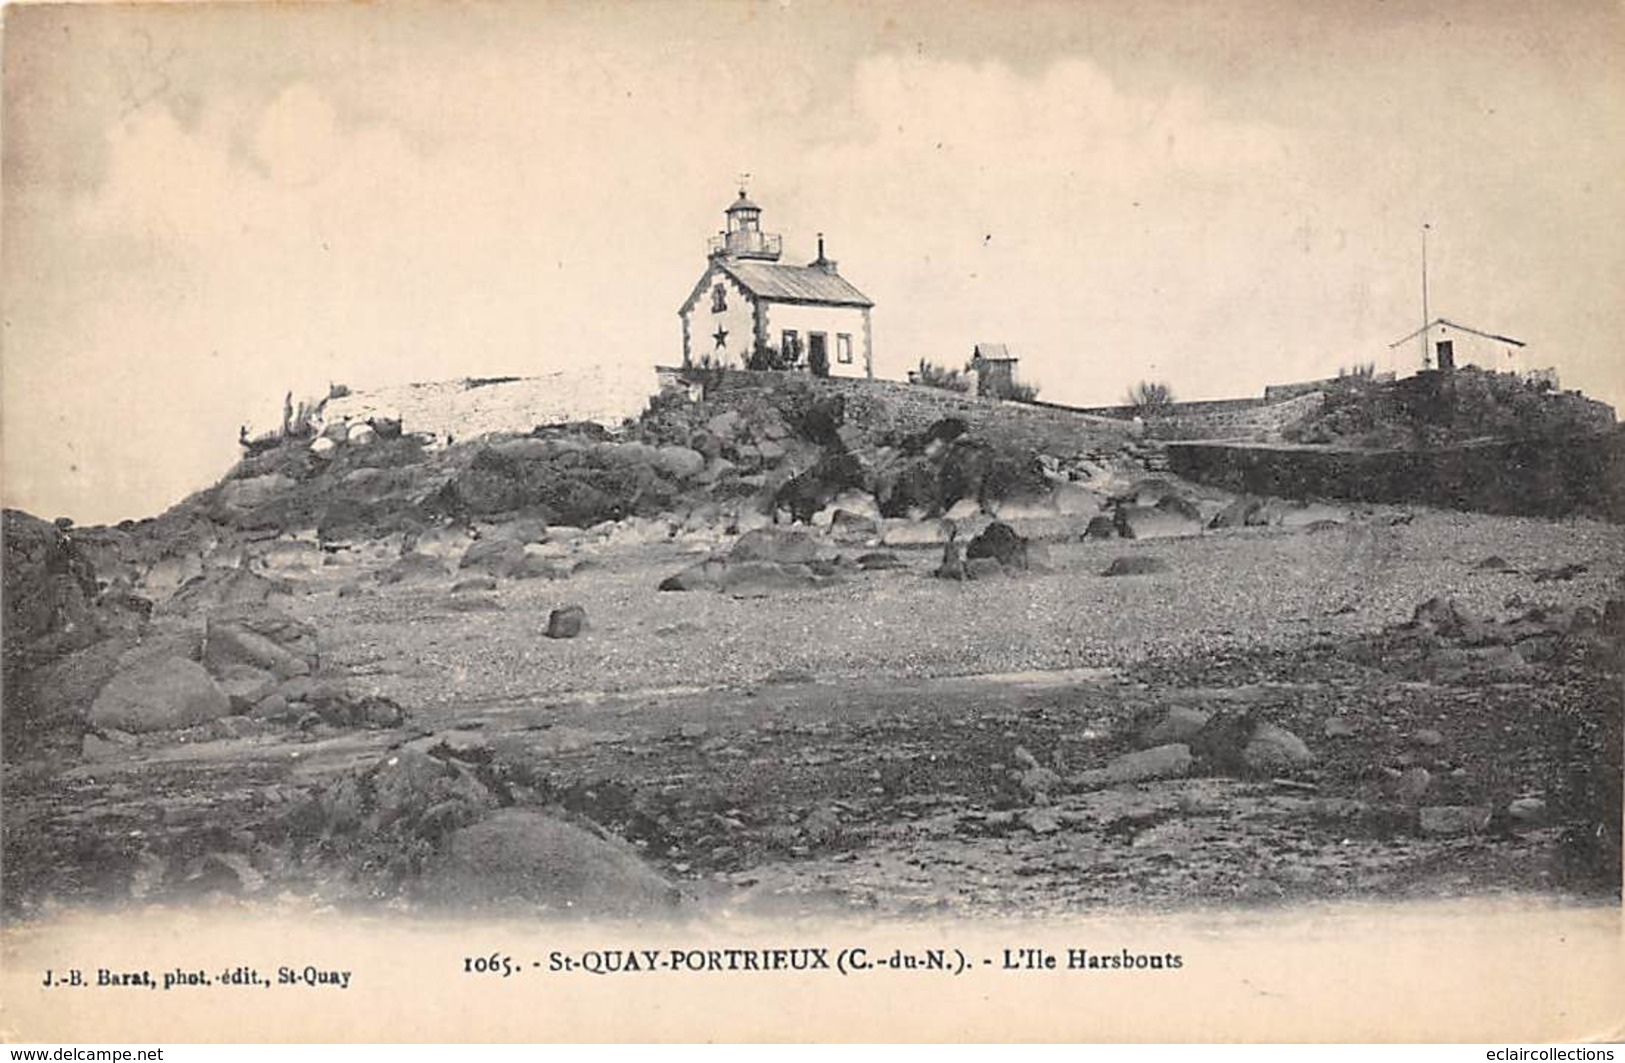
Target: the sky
pixel 205 207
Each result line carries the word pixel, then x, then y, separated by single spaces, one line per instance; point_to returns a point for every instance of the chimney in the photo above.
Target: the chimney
pixel 825 264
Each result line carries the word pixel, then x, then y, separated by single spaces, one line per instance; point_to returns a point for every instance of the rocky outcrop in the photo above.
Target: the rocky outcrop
pixel 1446 643
pixel 63 636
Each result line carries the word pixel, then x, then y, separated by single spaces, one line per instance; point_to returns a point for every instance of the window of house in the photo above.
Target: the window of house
pixel 719 299
pixel 843 348
pixel 790 346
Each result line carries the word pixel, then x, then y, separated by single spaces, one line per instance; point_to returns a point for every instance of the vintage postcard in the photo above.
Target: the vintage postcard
pixel 721 520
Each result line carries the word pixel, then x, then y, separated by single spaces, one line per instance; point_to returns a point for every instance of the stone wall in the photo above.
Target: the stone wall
pixel 1584 475
pixel 907 408
pixel 1256 419
pixel 468 408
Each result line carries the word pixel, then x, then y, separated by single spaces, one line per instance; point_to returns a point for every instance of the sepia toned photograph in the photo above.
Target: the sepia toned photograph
pixel 1026 522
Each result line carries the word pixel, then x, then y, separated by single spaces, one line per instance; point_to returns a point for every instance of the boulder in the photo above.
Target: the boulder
pixel 169 574
pixel 524 531
pixel 566 622
pixel 1222 744
pixel 1135 565
pixel 1273 750
pixel 445 543
pixel 849 527
pixel 254 491
pixel 679 463
pixel 1001 543
pixel 387 426
pixel 788 546
pixel 724 425
pixel 361 435
pixel 498 557
pixel 159 694
pixel 246 686
pixel 1310 515
pixel 879 561
pixel 1245 512
pixel 908 484
pixel 264 639
pixel 228 587
pixel 856 504
pixel 271 707
pixel 964 509
pixel 523 857
pixel 1181 725
pixel 758 579
pixel 1101 527
pixel 413 567
pixel 1181 506
pixel 1152 522
pixel 705 576
pixel 1149 491
pixel 1170 761
pixel 534 566
pixel 953 564
pixel 1074 500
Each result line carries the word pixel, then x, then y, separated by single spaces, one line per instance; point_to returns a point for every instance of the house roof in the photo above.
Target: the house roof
pixel 779 283
pixel 992 352
pixel 1462 328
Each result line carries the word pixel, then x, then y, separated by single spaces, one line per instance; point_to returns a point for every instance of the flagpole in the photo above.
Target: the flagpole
pixel 1427 359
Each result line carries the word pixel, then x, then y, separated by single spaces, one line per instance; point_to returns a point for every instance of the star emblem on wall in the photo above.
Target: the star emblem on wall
pixel 721 336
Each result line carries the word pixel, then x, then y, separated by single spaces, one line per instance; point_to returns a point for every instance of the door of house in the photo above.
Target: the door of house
pixel 818 353
pixel 1447 355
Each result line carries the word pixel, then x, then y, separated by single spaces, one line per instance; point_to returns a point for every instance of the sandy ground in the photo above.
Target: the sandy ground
pixel 850 746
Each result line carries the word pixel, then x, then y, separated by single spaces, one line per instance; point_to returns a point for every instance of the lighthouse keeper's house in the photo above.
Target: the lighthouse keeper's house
pixel 747 301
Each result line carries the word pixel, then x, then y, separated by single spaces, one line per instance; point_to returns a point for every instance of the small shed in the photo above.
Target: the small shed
pixel 1447 346
pixel 995 370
